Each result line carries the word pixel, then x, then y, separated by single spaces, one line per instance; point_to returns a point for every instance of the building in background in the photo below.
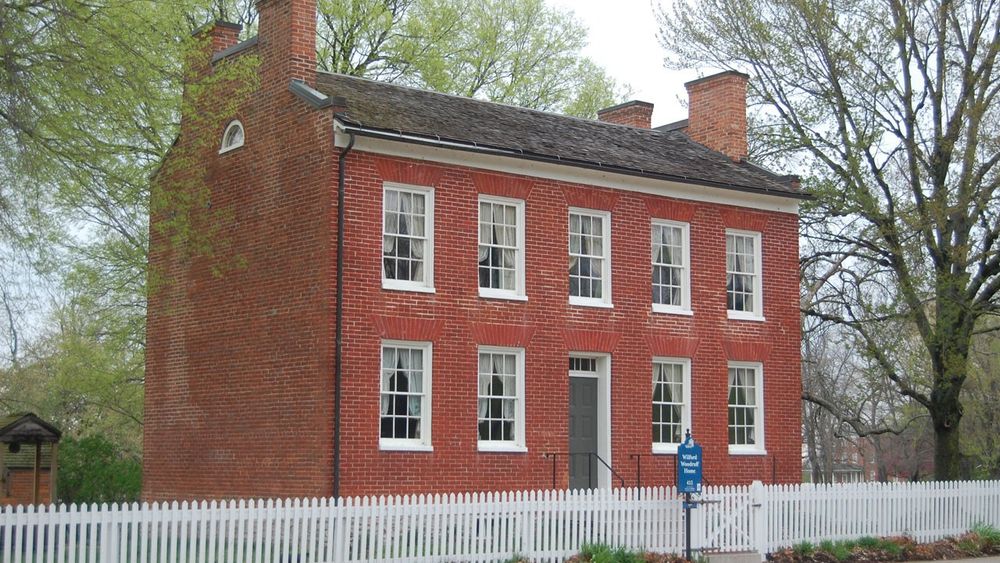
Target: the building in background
pixel 29 449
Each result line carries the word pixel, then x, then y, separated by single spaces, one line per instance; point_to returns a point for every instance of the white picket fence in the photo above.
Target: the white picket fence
pixel 539 525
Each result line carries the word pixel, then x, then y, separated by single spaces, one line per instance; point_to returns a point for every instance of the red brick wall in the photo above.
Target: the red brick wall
pixel 717 113
pixel 21 487
pixel 457 321
pixel 239 365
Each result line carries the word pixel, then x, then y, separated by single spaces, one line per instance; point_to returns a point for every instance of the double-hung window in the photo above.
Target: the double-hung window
pixel 746 408
pixel 500 408
pixel 590 258
pixel 671 273
pixel 405 398
pixel 671 403
pixel 501 247
pixel 407 238
pixel 743 275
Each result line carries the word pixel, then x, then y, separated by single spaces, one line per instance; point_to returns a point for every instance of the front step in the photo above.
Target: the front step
pixel 734 557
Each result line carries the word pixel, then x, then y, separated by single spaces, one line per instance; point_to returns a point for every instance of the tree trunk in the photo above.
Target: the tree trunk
pixel 810 433
pixel 950 360
pixel 946 414
pixel 947 455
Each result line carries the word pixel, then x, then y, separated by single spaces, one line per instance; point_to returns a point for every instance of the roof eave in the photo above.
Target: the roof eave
pixel 8 433
pixel 418 139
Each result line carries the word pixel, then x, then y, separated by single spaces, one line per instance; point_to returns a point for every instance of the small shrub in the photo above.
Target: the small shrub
pixel 842 550
pixel 890 547
pixel 968 545
pixel 869 542
pixel 804 549
pixel 622 555
pixel 601 553
pixel 989 536
pixel 826 545
pixel 589 550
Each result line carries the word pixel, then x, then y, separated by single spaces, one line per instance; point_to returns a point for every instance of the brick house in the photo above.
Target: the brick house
pixel 29 453
pixel 515 286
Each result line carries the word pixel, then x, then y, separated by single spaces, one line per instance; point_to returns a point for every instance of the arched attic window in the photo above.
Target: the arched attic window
pixel 233 137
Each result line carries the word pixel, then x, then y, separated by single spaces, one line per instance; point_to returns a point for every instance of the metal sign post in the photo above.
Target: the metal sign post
pixel 688 482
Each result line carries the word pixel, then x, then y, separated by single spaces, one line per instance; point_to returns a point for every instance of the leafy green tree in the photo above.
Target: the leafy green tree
pixel 77 375
pixel 94 469
pixel 890 109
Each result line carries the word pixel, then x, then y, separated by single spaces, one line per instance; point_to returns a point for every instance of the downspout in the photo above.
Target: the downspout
pixel 339 339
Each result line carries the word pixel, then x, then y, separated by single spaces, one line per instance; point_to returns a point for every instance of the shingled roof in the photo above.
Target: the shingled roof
pixel 27 427
pixel 391 111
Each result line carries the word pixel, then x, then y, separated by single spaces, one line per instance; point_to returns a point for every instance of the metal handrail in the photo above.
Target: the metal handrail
pixel 590 456
pixel 613 472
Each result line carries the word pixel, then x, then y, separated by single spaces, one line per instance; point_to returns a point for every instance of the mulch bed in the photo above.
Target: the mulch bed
pixel 965 546
pixel 645 557
pixel 969 545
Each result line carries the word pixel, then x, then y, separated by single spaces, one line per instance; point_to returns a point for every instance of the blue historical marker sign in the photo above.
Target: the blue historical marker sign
pixel 689 466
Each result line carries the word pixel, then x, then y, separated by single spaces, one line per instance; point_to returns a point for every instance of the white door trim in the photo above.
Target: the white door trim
pixel 603 377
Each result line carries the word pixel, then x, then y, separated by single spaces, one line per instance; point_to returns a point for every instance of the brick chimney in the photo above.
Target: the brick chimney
pixel 634 114
pixel 717 113
pixel 286 34
pixel 221 34
pixel 211 38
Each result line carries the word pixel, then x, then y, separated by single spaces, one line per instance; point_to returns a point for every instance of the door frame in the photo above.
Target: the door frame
pixel 603 377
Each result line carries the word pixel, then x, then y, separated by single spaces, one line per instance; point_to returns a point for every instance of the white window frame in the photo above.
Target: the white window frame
pixel 518 443
pixel 759 447
pixel 605 299
pixel 518 293
pixel 685 363
pixel 758 280
pixel 225 134
pixel 422 444
pixel 426 286
pixel 685 307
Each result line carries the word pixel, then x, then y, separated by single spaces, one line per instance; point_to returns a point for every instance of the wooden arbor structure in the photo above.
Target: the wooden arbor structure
pixel 19 430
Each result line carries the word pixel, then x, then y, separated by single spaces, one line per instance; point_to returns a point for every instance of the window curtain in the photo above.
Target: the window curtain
pixel 485 384
pixel 493 258
pixel 398 380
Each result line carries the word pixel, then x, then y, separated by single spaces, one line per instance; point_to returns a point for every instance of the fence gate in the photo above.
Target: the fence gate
pixel 727 518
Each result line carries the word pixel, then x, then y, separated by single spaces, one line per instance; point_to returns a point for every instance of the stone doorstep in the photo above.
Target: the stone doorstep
pixel 734 557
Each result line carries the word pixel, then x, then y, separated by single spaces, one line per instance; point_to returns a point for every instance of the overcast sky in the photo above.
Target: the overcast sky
pixel 623 41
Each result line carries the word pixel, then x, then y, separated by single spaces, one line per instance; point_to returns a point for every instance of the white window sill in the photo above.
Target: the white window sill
pixel 669 310
pixel 502 447
pixel 395 285
pixel 665 449
pixel 746 450
pixel 230 149
pixel 741 316
pixel 586 302
pixel 506 295
pixel 389 445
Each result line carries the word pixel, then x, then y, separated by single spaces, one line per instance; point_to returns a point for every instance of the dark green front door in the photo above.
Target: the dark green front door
pixel 582 432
